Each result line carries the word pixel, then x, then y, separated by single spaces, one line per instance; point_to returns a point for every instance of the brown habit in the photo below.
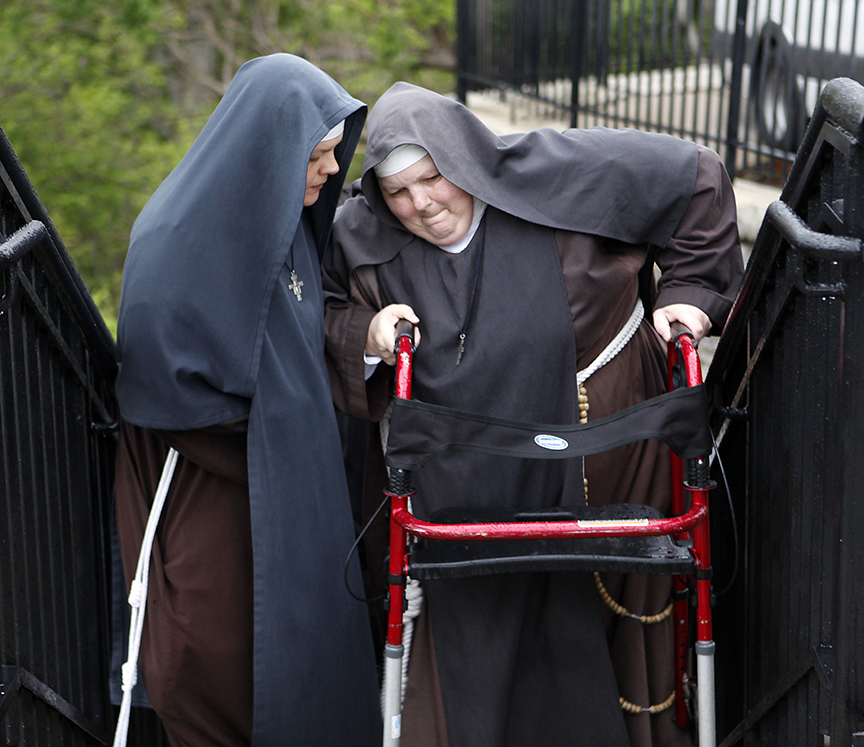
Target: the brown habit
pixel 678 198
pixel 199 627
pixel 701 265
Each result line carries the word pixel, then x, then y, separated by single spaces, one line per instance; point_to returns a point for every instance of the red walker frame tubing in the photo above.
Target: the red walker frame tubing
pixel 689 359
pixel 402 523
pixel 404 365
pixel 680 590
pixel 398 566
pixel 398 569
pixel 701 532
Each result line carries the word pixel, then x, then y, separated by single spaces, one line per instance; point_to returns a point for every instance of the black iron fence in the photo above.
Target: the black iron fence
pixel 737 75
pixel 786 382
pixel 57 418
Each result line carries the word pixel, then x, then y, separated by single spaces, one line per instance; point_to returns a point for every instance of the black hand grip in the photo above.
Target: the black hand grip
pixel 679 329
pixel 404 328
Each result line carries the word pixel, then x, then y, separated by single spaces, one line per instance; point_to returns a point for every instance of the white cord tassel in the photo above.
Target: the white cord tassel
pixel 138 600
pixel 414 597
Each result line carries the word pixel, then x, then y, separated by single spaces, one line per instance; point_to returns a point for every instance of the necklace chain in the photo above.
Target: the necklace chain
pixel 296 284
pixel 464 328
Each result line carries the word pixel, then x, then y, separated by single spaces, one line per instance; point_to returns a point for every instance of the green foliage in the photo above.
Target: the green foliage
pixel 87 113
pixel 101 98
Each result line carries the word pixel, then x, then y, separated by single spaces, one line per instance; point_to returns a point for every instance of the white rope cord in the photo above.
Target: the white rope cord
pixel 616 346
pixel 414 597
pixel 138 600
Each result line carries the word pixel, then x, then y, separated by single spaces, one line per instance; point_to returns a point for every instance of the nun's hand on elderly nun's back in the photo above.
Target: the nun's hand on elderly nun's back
pixel 381 337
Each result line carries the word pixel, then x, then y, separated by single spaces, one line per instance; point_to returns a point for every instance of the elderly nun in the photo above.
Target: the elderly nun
pixel 519 258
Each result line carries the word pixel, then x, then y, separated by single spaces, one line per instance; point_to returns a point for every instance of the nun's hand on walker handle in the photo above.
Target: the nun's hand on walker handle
pixel 381 337
pixel 692 317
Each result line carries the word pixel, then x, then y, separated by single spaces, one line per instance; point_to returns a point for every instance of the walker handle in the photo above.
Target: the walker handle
pixel 679 329
pixel 404 351
pixel 404 328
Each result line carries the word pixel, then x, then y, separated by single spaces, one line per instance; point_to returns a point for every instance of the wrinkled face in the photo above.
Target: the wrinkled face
pixel 322 163
pixel 427 204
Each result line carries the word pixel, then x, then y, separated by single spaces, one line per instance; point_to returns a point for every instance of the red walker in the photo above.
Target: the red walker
pixel 687 532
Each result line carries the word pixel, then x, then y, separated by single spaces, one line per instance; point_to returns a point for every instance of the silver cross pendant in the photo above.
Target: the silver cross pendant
pixel 296 285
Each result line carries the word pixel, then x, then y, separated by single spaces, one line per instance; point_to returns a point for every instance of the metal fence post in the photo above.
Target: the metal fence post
pixel 464 37
pixel 580 34
pixel 734 119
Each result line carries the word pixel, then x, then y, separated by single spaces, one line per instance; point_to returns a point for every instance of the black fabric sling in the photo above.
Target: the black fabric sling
pixel 419 431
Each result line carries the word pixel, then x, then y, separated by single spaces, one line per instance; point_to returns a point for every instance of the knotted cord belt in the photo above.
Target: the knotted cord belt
pixel 609 352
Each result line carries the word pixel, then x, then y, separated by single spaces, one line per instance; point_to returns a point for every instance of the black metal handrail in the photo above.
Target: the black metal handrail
pixel 58 417
pixel 57 264
pixel 785 383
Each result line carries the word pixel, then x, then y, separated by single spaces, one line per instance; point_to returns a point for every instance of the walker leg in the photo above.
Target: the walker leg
pixel 394 651
pixel 705 703
pixel 705 693
pixel 392 695
pixel 681 637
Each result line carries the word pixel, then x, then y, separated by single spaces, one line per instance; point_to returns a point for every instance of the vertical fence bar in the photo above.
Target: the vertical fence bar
pixel 733 121
pixel 464 37
pixel 580 37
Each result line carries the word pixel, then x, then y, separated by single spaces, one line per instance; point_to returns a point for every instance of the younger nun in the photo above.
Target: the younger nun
pixel 250 635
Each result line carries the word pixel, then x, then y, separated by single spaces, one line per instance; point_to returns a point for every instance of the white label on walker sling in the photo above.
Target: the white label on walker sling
pixel 396 727
pixel 553 443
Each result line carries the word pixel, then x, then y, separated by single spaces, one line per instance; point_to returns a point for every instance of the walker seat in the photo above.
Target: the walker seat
pixel 457 559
